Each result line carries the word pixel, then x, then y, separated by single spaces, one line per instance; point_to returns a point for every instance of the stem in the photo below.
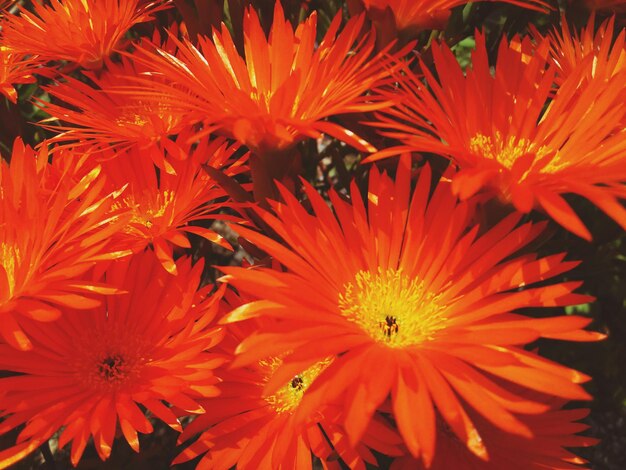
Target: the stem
pixel 268 167
pixel 263 186
pixel 47 456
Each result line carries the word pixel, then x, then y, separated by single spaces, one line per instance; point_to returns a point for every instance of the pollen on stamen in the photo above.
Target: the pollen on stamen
pixel 142 114
pixel 135 119
pixel 392 308
pixel 147 210
pixel 287 398
pixel 508 151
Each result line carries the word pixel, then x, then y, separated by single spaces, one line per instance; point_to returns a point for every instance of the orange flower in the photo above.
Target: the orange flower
pixel 55 223
pixel 417 305
pixel 504 139
pixel 246 428
pixel 80 31
pixel 599 54
pixel 161 206
pixel 98 118
pixel 553 432
pixel 418 15
pixel 90 370
pixel 15 68
pixel 282 91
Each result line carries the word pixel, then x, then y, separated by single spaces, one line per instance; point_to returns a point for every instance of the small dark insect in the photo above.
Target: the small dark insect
pixel 297 383
pixel 389 326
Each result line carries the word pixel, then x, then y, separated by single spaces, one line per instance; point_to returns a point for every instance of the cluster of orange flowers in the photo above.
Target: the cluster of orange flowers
pixel 383 320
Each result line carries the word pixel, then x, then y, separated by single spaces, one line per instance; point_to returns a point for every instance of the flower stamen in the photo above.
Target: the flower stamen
pixel 287 398
pixel 147 210
pixel 392 308
pixel 112 368
pixel 507 151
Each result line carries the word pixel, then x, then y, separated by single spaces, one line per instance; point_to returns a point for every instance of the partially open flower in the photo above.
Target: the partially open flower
pixel 55 223
pixel 511 136
pixel 98 118
pixel 284 89
pixel 163 207
pixel 602 54
pixel 84 32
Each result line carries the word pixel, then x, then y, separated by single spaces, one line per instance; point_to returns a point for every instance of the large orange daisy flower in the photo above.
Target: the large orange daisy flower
pixel 284 88
pixel 55 223
pixel 84 32
pixel 504 139
pixel 428 14
pixel 162 206
pixel 408 300
pixel 90 370
pixel 97 118
pixel 245 427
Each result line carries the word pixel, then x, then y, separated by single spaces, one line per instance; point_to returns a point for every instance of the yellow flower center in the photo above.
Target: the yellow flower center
pixel 392 308
pixel 143 113
pixel 147 210
pixel 10 258
pixel 132 118
pixel 508 151
pixel 287 398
